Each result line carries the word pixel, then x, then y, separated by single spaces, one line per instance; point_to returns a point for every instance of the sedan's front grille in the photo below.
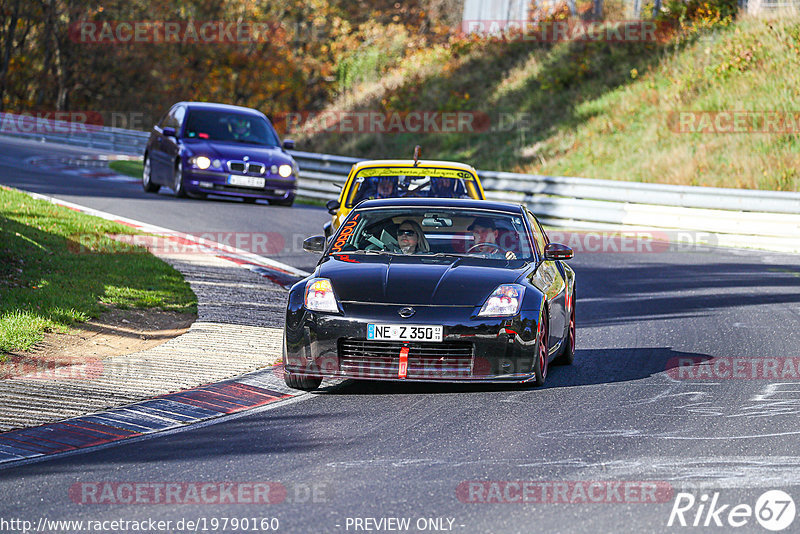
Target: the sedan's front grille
pixel 381 359
pixel 247 167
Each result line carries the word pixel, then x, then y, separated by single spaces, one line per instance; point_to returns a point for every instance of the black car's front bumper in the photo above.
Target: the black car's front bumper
pixel 472 349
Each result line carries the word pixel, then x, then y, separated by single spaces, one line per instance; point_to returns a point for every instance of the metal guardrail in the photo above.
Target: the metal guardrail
pixel 558 200
pixel 130 142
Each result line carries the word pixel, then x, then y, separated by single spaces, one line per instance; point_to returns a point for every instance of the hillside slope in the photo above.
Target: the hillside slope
pixel 602 109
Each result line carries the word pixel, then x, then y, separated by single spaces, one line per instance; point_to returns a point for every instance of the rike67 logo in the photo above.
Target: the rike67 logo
pixel 774 510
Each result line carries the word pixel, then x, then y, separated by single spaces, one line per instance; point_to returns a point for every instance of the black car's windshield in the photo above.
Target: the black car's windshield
pixel 213 125
pixel 434 232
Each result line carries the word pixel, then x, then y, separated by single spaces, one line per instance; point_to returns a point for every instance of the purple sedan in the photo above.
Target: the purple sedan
pixel 199 148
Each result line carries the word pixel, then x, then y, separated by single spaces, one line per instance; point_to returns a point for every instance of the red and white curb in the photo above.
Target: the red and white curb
pixel 170 412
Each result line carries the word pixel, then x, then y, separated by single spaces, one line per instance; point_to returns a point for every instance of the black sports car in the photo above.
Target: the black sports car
pixel 432 289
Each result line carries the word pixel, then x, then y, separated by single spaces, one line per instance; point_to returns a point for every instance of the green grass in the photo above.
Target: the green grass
pixel 599 110
pixel 129 168
pixel 58 268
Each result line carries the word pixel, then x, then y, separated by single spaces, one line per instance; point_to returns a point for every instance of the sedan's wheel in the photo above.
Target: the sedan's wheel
pixel 177 184
pixel 301 382
pixel 147 181
pixel 542 349
pixel 568 354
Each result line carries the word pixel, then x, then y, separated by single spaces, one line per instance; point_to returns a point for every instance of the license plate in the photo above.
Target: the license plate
pixel 247 181
pixel 403 332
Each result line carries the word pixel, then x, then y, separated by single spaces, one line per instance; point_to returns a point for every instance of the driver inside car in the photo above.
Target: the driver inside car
pixel 411 239
pixel 240 128
pixel 446 188
pixel 484 232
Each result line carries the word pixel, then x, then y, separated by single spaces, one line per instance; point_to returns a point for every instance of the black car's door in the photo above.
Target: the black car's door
pixel 553 284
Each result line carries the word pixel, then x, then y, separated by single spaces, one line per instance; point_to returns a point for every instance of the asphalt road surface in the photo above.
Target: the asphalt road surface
pixel 619 441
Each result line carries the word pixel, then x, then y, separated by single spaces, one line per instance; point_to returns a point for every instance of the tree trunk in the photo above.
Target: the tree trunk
pixel 656 8
pixel 12 27
pixel 598 9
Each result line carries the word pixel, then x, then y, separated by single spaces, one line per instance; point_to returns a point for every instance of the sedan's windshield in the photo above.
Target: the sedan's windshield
pixel 433 231
pixel 398 182
pixel 215 125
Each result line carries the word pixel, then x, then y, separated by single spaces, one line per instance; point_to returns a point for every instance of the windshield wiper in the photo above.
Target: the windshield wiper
pixel 246 142
pixel 455 254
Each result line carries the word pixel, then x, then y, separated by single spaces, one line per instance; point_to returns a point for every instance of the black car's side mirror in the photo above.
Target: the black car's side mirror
pixel 333 206
pixel 557 251
pixel 288 144
pixel 169 131
pixel 314 244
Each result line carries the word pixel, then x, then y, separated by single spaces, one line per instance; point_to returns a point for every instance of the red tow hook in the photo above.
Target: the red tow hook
pixel 403 371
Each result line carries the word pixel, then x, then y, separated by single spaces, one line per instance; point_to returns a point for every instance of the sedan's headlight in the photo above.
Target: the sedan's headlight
pixel 504 301
pixel 285 171
pixel 202 162
pixel 320 296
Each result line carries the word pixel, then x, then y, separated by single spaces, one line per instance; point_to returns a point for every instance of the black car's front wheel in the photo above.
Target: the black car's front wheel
pixel 542 351
pixel 301 382
pixel 177 184
pixel 147 178
pixel 567 355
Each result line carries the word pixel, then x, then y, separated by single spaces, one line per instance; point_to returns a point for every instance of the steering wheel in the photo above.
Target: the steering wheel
pixel 495 245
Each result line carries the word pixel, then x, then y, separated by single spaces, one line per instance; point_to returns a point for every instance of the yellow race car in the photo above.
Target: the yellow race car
pixel 402 179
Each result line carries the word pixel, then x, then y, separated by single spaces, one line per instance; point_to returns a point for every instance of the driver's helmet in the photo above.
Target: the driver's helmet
pixel 444 186
pixel 386 186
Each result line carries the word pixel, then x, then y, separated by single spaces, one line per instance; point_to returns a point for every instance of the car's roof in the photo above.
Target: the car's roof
pixel 220 107
pixel 445 203
pixel 410 163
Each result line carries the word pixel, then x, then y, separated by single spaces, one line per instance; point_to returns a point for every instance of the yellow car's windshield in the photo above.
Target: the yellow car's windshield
pixel 398 182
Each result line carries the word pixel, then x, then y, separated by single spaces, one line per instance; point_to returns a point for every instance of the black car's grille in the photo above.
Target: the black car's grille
pixel 381 359
pixel 247 167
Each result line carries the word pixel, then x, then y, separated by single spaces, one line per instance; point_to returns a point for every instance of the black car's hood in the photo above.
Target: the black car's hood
pixel 417 280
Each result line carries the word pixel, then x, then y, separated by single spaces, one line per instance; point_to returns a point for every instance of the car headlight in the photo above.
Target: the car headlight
pixel 320 296
pixel 202 162
pixel 285 171
pixel 504 301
